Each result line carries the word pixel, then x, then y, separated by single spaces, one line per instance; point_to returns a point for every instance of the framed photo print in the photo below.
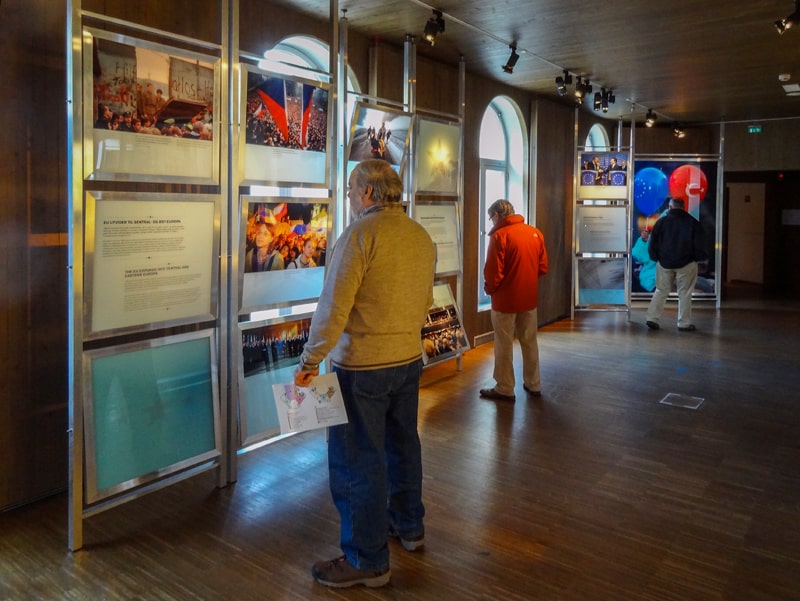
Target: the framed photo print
pixel 438 156
pixel 151 409
pixel 603 175
pixel 285 125
pixel 150 260
pixel 378 132
pixel 655 180
pixel 148 111
pixel 443 336
pixel 283 249
pixel 270 352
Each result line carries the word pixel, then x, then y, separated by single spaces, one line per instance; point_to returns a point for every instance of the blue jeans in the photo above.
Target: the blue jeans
pixel 375 462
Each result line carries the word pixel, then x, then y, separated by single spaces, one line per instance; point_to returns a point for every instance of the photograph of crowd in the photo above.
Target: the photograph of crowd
pixel 144 91
pixel 273 347
pixel 286 114
pixel 283 235
pixel 379 134
pixel 442 334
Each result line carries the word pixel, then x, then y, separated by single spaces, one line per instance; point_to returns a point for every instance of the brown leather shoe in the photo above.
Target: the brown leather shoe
pixel 491 393
pixel 340 573
pixel 532 392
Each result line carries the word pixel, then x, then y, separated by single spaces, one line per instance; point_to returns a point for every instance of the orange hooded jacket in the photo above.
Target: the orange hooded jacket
pixel 515 260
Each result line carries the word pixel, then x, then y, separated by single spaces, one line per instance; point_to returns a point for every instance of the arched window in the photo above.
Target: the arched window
pixel 597 139
pixel 503 156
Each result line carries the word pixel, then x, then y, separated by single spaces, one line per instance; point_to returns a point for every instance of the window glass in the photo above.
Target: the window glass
pixel 503 158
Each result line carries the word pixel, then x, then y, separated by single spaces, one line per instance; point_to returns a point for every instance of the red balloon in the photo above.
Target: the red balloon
pixel 688 181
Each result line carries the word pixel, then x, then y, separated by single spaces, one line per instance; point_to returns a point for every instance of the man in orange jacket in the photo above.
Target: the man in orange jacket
pixel 515 260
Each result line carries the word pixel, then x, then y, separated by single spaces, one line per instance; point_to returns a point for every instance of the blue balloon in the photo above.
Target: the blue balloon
pixel 650 189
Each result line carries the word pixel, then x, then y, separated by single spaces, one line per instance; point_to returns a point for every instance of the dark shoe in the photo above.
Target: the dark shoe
pixel 491 393
pixel 653 325
pixel 689 328
pixel 535 393
pixel 340 573
pixel 409 544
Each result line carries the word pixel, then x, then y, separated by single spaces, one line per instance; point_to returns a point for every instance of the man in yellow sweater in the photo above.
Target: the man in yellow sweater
pixel 378 289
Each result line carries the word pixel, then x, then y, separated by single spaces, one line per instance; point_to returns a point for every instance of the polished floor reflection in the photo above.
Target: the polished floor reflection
pixel 596 491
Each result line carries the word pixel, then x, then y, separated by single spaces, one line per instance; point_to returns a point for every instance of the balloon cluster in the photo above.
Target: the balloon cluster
pixel 651 187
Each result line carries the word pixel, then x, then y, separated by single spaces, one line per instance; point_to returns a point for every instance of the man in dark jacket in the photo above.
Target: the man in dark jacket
pixel 676 244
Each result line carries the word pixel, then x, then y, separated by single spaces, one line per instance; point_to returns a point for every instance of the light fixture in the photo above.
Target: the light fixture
pixel 598 101
pixel 782 25
pixel 650 118
pixel 433 27
pixel 679 132
pixel 512 60
pixel 582 88
pixel 563 82
pixel 606 97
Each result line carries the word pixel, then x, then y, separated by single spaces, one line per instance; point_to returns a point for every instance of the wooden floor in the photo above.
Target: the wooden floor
pixel 595 492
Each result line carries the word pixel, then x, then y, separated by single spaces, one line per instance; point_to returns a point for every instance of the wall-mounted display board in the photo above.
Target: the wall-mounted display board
pixel 603 175
pixel 601 232
pixel 692 180
pixel 283 248
pixel 151 410
pixel 270 353
pixel 378 132
pixel 443 336
pixel 150 261
pixel 285 125
pixel 148 111
pixel 437 155
pixel 600 282
pixel 601 228
pixel 441 221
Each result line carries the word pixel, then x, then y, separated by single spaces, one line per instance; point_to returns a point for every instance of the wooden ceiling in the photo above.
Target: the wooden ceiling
pixel 689 61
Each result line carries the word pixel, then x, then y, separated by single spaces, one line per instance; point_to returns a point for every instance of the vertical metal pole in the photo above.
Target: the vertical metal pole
pixel 410 104
pixel 575 161
pixel 462 95
pixel 75 436
pixel 228 300
pixel 719 217
pixel 339 64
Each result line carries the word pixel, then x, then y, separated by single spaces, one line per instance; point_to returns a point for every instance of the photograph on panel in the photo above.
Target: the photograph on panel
pixel 443 335
pixel 378 133
pixel 438 154
pixel 654 183
pixel 285 235
pixel 151 114
pixel 286 125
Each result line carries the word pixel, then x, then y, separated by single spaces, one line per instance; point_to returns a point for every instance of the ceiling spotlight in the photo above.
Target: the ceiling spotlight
pixel 598 101
pixel 679 132
pixel 782 25
pixel 650 118
pixel 512 60
pixel 433 27
pixel 563 82
pixel 579 90
pixel 604 100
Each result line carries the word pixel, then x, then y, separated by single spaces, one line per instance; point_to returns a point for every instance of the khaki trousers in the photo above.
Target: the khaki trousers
pixel 525 325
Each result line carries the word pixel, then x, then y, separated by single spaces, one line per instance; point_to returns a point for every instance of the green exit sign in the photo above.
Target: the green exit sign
pixel 753 129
